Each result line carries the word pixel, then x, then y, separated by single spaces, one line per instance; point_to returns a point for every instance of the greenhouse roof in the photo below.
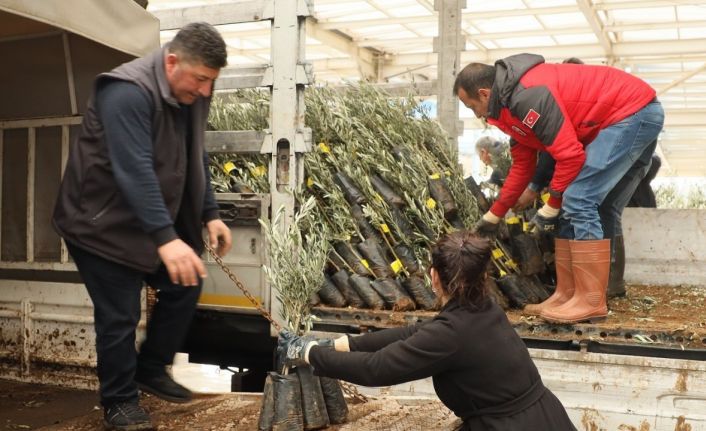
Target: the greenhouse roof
pixel 391 41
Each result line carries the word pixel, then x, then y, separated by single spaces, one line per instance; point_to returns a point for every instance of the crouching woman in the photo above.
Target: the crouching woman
pixel 480 367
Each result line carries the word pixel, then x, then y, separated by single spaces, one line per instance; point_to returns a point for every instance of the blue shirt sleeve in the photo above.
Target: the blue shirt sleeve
pixel 125 111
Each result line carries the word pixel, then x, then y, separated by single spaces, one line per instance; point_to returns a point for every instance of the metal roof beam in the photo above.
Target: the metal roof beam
pixel 681 79
pixel 558 53
pixel 431 19
pixel 215 14
pixel 662 59
pixel 365 59
pixel 669 25
pixel 641 4
pixel 254 10
pixel 597 26
pixel 373 41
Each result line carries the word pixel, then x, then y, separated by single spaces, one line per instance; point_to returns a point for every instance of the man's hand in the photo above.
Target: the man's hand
pixel 219 237
pixel 525 200
pixel 487 226
pixel 183 265
pixel 545 221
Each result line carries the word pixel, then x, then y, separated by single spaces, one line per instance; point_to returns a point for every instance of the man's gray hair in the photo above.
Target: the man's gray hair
pixel 494 146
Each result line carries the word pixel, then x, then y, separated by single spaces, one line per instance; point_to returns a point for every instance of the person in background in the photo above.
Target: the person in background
pixel 494 153
pixel 596 122
pixel 132 205
pixel 644 196
pixel 480 367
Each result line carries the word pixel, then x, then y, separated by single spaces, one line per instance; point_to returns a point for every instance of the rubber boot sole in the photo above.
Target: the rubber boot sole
pixel 589 319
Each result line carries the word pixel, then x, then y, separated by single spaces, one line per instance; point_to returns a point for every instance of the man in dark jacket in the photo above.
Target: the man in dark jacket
pixel 595 121
pixel 134 199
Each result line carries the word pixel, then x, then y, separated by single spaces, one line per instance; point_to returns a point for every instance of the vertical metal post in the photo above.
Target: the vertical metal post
pixel 449 45
pixel 2 154
pixel 26 336
pixel 70 73
pixel 286 111
pixel 31 163
pixel 65 135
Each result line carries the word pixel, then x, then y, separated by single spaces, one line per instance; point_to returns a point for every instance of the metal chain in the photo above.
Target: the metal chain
pixel 347 387
pixel 352 391
pixel 266 314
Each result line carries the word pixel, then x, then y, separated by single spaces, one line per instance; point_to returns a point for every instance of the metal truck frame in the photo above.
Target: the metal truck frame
pixel 46 332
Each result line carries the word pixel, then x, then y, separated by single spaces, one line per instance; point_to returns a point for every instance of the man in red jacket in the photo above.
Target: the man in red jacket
pixel 595 121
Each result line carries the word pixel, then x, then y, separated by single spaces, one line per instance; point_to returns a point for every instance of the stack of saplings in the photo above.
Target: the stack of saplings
pixel 242 110
pixel 295 399
pixel 387 184
pixel 300 401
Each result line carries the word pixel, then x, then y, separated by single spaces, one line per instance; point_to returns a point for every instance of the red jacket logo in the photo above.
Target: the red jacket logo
pixel 531 118
pixel 518 130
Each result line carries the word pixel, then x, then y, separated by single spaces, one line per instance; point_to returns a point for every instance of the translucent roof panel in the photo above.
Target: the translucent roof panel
pixel 648 14
pixel 564 20
pixel 691 12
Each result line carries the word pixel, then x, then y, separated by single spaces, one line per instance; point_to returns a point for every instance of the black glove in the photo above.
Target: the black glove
pixel 540 224
pixel 292 349
pixel 486 229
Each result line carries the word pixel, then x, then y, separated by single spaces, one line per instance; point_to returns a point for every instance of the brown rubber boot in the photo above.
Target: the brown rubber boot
pixel 616 282
pixel 590 262
pixel 564 280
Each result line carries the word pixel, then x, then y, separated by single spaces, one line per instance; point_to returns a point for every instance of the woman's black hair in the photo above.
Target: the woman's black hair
pixel 461 260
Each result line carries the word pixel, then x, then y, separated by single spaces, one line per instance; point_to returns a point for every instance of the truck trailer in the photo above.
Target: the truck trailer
pixel 644 368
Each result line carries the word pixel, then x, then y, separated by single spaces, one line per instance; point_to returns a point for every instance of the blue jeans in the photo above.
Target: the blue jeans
pixel 615 162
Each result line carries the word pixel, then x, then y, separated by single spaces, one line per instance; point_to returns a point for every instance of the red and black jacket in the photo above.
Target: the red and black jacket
pixel 558 108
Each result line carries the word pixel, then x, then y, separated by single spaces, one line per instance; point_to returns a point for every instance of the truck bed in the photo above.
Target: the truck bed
pixel 649 316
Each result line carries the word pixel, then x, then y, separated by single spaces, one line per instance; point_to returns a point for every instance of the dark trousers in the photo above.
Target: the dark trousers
pixel 611 209
pixel 115 291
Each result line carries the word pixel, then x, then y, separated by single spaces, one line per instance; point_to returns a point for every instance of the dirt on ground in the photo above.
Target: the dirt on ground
pixel 49 408
pixel 29 406
pixel 659 315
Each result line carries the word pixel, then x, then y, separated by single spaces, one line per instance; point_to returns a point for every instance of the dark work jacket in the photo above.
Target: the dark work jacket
pixel 475 358
pixel 90 210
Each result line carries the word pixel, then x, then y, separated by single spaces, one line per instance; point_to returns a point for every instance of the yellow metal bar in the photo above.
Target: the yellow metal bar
pixel 233 301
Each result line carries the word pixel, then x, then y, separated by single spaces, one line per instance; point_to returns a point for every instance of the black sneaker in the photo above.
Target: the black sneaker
pixel 164 387
pixel 126 416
